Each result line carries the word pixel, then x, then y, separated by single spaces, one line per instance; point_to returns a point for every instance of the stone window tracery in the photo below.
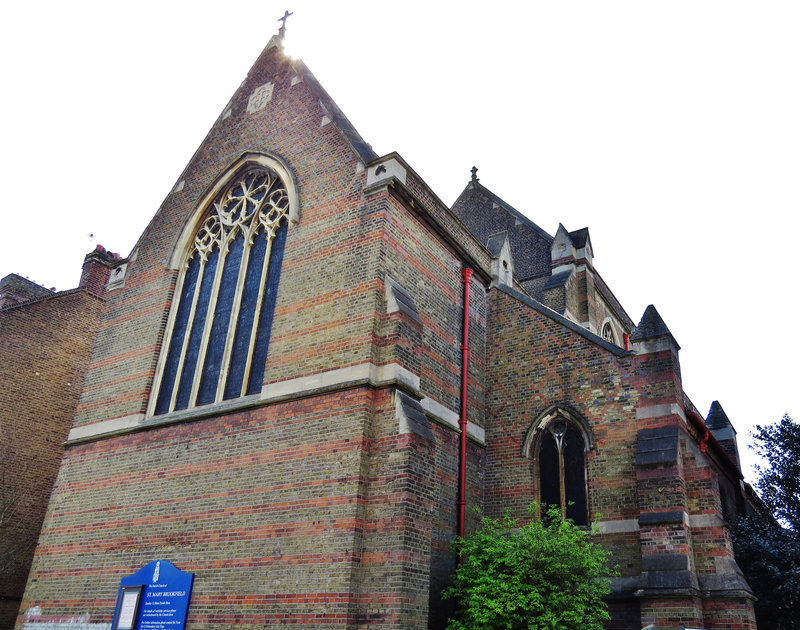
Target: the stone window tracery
pixel 219 327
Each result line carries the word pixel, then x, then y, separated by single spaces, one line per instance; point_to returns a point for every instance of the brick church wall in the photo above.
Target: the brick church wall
pixel 329 498
pixel 328 246
pixel 314 506
pixel 415 258
pixel 663 520
pixel 260 504
pixel 538 362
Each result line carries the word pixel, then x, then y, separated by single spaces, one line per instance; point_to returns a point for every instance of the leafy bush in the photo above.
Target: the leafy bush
pixel 546 575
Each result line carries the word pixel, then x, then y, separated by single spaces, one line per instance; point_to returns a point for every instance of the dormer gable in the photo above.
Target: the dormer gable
pixel 570 248
pixel 502 262
pixel 562 251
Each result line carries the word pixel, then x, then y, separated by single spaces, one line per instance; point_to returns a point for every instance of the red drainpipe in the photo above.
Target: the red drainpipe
pixel 466 275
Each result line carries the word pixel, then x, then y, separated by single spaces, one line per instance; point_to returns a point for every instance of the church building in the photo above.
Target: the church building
pixel 309 371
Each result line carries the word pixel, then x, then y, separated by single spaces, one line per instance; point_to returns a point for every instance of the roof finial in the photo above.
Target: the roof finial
pixel 282 29
pixel 474 171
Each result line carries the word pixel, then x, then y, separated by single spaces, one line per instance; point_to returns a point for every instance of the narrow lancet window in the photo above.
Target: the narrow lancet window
pixel 218 335
pixel 562 470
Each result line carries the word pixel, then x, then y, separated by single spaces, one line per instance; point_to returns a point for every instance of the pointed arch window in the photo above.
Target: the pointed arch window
pixel 608 333
pixel 219 327
pixel 558 443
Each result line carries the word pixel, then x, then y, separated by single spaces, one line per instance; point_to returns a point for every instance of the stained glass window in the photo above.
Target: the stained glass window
pixel 219 330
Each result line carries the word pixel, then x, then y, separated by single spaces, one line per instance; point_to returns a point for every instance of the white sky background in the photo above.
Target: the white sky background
pixel 670 129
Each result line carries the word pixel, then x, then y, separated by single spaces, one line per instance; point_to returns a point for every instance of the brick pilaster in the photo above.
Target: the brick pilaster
pixel 669 591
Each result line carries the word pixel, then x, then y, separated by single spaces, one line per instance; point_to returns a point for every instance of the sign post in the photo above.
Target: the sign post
pixel 156 597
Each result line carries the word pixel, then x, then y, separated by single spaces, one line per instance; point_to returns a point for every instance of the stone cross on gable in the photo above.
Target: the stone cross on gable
pixel 282 29
pixel 474 171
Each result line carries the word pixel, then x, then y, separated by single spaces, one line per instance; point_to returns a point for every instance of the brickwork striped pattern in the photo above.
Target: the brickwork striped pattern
pixel 315 511
pixel 536 363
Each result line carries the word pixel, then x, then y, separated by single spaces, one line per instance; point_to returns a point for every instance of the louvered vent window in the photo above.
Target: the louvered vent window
pixel 219 328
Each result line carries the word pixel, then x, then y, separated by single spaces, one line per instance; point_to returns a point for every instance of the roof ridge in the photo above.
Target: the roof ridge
pixel 51 296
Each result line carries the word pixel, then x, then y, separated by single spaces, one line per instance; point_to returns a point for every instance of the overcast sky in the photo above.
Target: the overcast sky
pixel 670 129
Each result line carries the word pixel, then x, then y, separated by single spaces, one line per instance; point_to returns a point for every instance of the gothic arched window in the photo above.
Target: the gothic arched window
pixel 557 443
pixel 219 327
pixel 607 332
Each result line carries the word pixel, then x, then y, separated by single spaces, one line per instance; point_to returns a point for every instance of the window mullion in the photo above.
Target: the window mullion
pixel 212 307
pixel 251 199
pixel 234 316
pixel 192 311
pixel 162 360
pixel 270 236
pixel 562 479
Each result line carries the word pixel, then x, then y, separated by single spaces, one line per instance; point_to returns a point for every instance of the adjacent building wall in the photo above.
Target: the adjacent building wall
pixel 45 344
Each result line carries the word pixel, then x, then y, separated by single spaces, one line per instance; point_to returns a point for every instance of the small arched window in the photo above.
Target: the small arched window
pixel 607 333
pixel 557 443
pixel 219 327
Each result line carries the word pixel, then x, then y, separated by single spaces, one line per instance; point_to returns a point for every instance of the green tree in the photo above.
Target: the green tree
pixel 546 575
pixel 779 482
pixel 767 543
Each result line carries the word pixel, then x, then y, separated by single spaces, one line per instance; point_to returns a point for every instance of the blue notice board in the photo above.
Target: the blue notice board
pixel 156 597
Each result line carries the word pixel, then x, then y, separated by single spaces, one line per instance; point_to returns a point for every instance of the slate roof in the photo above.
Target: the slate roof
pixel 485 215
pixel 557 280
pixel 717 418
pixel 651 326
pixel 495 243
pixel 579 237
